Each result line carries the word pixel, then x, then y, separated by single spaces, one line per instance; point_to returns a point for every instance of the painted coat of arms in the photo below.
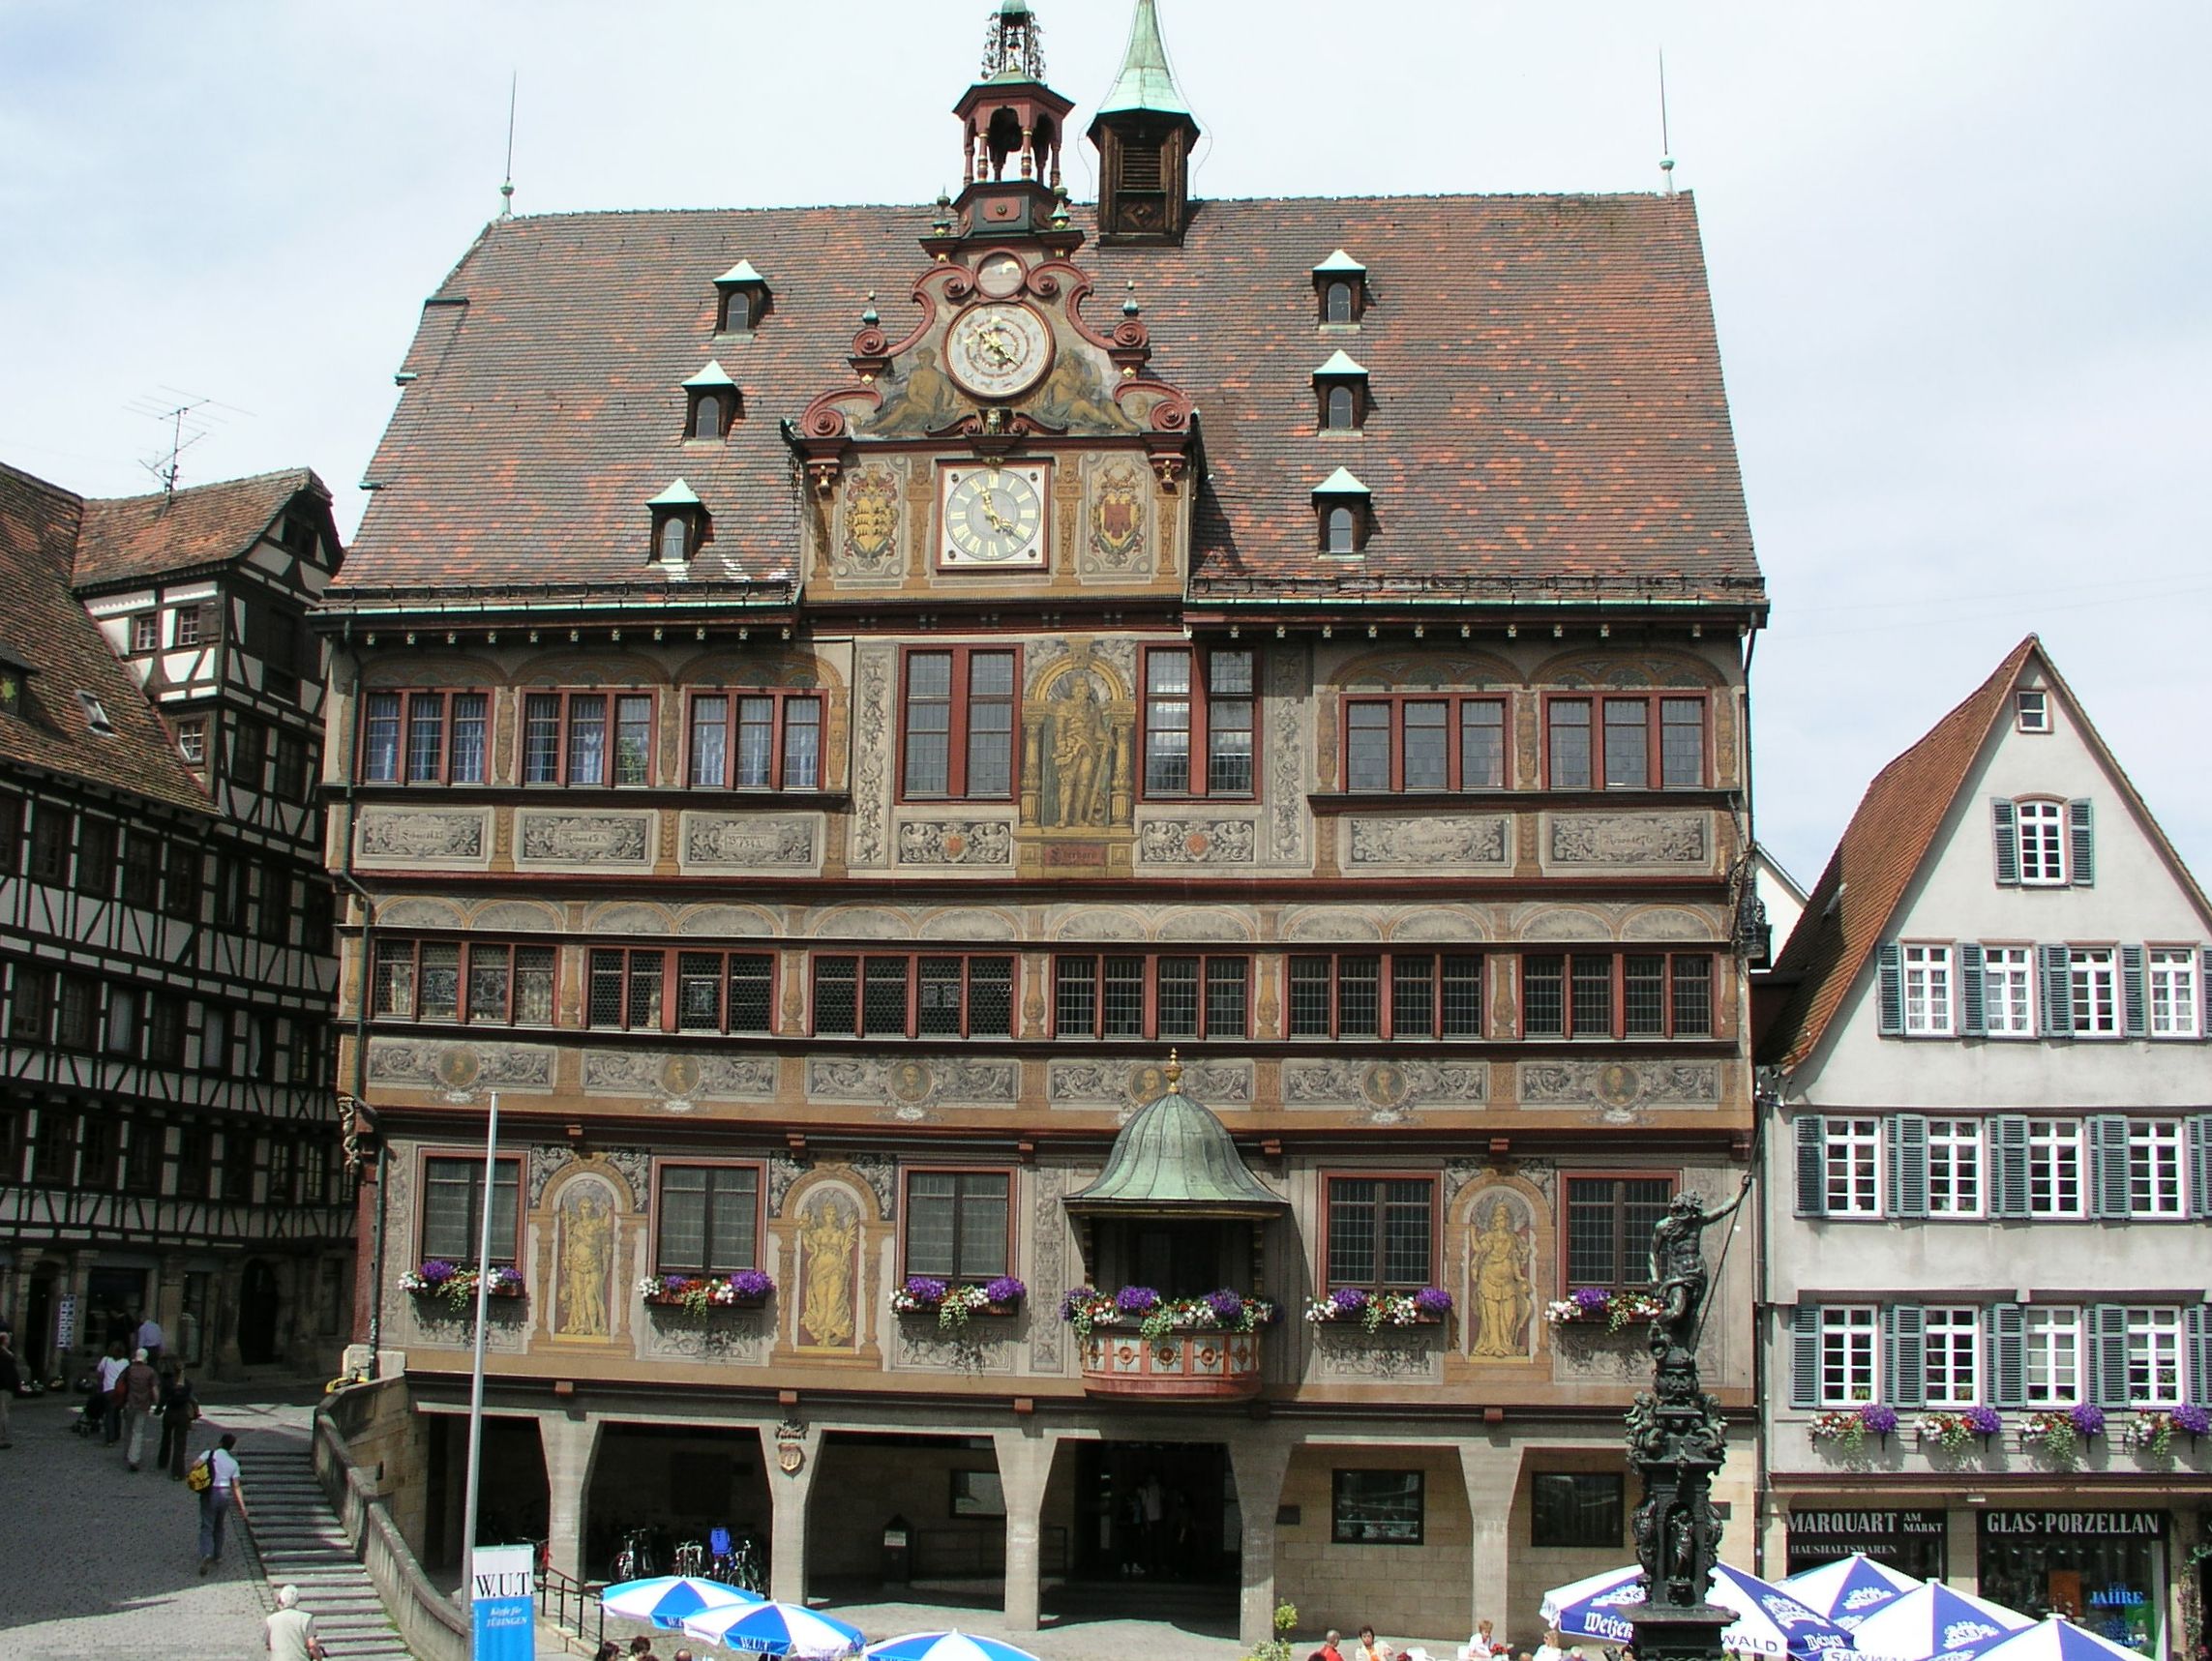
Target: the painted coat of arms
pixel 870 516
pixel 1118 516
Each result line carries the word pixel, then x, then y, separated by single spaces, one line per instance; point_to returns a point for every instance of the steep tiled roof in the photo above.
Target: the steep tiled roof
pixel 1547 400
pixel 45 628
pixel 1850 908
pixel 134 538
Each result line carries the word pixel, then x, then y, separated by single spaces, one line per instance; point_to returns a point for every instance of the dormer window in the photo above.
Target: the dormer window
pixel 1342 282
pixel 742 300
pixel 680 526
pixel 1341 508
pixel 1341 386
pixel 2033 710
pixel 710 403
pixel 96 714
pixel 14 682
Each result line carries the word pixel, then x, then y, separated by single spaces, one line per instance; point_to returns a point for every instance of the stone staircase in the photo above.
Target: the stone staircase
pixel 297 1536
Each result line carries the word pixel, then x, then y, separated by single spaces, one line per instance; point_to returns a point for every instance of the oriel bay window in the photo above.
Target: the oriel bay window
pixel 1386 995
pixel 957 1224
pixel 587 738
pixel 1609 1223
pixel 1607 994
pixel 1425 743
pixel 424 737
pixel 1380 1234
pixel 1199 722
pixel 1120 996
pixel 755 741
pixel 481 983
pixel 453 1208
pixel 913 996
pixel 1636 743
pixel 709 1219
pixel 957 736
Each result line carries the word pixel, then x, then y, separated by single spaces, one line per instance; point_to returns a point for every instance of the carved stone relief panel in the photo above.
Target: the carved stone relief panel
pixel 874 729
pixel 783 843
pixel 1620 1092
pixel 1123 1085
pixel 1196 841
pixel 736 1336
pixel 1447 925
pixel 584 840
pixel 986 1344
pixel 1050 1253
pixel 962 842
pixel 683 1077
pixel 1385 1092
pixel 1388 1355
pixel 1289 713
pixel 391 835
pixel 1434 842
pixel 428 1064
pixel 1629 839
pixel 1320 925
pixel 913 1089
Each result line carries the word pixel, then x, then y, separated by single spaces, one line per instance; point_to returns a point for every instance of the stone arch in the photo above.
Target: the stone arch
pixel 728 922
pixel 1561 923
pixel 864 922
pixel 589 670
pixel 515 916
pixel 629 917
pixel 1652 666
pixel 1330 924
pixel 788 669
pixel 1099 923
pixel 1437 923
pixel 1205 925
pixel 1667 922
pixel 970 924
pixel 437 669
pixel 421 912
pixel 1046 686
pixel 1402 669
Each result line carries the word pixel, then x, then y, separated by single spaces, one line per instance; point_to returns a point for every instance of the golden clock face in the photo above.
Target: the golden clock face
pixel 998 350
pixel 994 516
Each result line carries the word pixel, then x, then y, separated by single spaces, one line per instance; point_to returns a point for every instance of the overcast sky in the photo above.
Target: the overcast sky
pixel 1958 252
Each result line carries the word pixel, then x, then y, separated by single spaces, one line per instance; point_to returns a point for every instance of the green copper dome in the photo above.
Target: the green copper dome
pixel 1174 1158
pixel 1146 82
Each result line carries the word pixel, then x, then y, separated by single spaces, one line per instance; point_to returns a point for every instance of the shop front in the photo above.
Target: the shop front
pixel 2105 1569
pixel 1910 1541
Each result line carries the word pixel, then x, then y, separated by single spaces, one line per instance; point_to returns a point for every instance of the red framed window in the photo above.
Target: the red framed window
pixel 1386 995
pixel 1617 994
pixel 1380 1233
pixel 706 1220
pixel 650 989
pixel 1423 743
pixel 957 723
pixel 755 741
pixel 587 738
pixel 1606 1224
pixel 957 1224
pixel 420 738
pixel 479 983
pixel 913 996
pixel 453 1208
pixel 1111 995
pixel 1201 722
pixel 1646 742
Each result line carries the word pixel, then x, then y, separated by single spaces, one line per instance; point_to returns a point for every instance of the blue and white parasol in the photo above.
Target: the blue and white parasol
pixel 2057 1639
pixel 777 1629
pixel 669 1600
pixel 1935 1623
pixel 1848 1589
pixel 947 1646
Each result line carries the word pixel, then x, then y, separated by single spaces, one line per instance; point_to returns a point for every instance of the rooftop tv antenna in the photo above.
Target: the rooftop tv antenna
pixel 180 412
pixel 1666 147
pixel 507 184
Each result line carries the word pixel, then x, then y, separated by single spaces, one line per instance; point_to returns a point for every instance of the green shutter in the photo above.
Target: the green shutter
pixel 2109 1166
pixel 2008 1138
pixel 2054 981
pixel 2134 1015
pixel 2008 1359
pixel 1890 997
pixel 1811 1166
pixel 1973 1018
pixel 2081 843
pixel 1906 1137
pixel 1904 1355
pixel 2200 1171
pixel 2109 1355
pixel 2004 825
pixel 1804 1357
pixel 2201 1351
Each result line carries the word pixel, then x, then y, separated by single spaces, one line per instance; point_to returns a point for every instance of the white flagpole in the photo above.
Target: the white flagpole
pixel 476 1367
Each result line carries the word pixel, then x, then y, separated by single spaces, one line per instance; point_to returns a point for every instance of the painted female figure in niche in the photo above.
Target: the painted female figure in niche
pixel 587 1254
pixel 1498 1266
pixel 828 1233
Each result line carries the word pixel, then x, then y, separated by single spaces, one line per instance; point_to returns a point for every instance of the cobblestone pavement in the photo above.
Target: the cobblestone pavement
pixel 99 1564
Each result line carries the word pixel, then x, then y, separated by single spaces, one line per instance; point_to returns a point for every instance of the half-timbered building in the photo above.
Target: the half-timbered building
pixel 169 1140
pixel 1094 851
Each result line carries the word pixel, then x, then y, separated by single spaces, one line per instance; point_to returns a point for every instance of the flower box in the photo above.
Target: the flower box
pixel 440 1281
pixel 1848 1428
pixel 698 1295
pixel 2058 1433
pixel 1592 1304
pixel 2151 1430
pixel 954 1304
pixel 1350 1305
pixel 1952 1430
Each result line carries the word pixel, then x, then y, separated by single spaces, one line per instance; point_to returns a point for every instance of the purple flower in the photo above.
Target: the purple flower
pixel 1348 1299
pixel 752 1284
pixel 438 1271
pixel 1004 1289
pixel 2195 1420
pixel 1878 1418
pixel 2088 1419
pixel 1592 1298
pixel 1985 1420
pixel 1227 1305
pixel 924 1291
pixel 1075 1298
pixel 1136 1300
pixel 1432 1300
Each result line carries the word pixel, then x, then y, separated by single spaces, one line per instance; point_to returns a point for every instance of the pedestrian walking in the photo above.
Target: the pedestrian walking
pixel 112 1366
pixel 222 1490
pixel 179 1409
pixel 150 1338
pixel 10 1381
pixel 140 1388
pixel 289 1633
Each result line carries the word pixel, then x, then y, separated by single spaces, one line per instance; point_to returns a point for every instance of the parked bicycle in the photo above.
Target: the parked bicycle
pixel 690 1558
pixel 635 1560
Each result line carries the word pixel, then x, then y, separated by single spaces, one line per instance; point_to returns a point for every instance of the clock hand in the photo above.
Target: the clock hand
pixel 999 521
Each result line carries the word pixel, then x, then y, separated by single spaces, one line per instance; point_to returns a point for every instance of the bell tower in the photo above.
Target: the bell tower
pixel 1012 129
pixel 1144 131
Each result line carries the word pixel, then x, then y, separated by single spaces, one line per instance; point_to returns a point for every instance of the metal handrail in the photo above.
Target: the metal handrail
pixel 559 1593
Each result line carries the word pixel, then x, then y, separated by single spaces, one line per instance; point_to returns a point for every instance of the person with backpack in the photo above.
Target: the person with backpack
pixel 179 1408
pixel 214 1479
pixel 140 1388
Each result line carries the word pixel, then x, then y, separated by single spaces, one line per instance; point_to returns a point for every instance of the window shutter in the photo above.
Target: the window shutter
pixel 2007 1134
pixel 2004 823
pixel 1811 1166
pixel 2007 1360
pixel 1973 1019
pixel 1805 1355
pixel 1892 990
pixel 2109 1355
pixel 2054 976
pixel 2204 993
pixel 1906 1135
pixel 2200 1169
pixel 2201 1351
pixel 2136 1021
pixel 2109 1166
pixel 1904 1355
pixel 2082 840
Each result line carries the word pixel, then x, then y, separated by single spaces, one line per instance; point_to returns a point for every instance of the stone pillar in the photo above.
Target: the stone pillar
pixel 1491 1467
pixel 1963 1549
pixel 788 1492
pixel 570 1441
pixel 1740 1534
pixel 1259 1460
pixel 1025 1468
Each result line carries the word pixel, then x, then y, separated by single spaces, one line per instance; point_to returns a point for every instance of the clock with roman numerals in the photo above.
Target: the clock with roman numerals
pixel 993 516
